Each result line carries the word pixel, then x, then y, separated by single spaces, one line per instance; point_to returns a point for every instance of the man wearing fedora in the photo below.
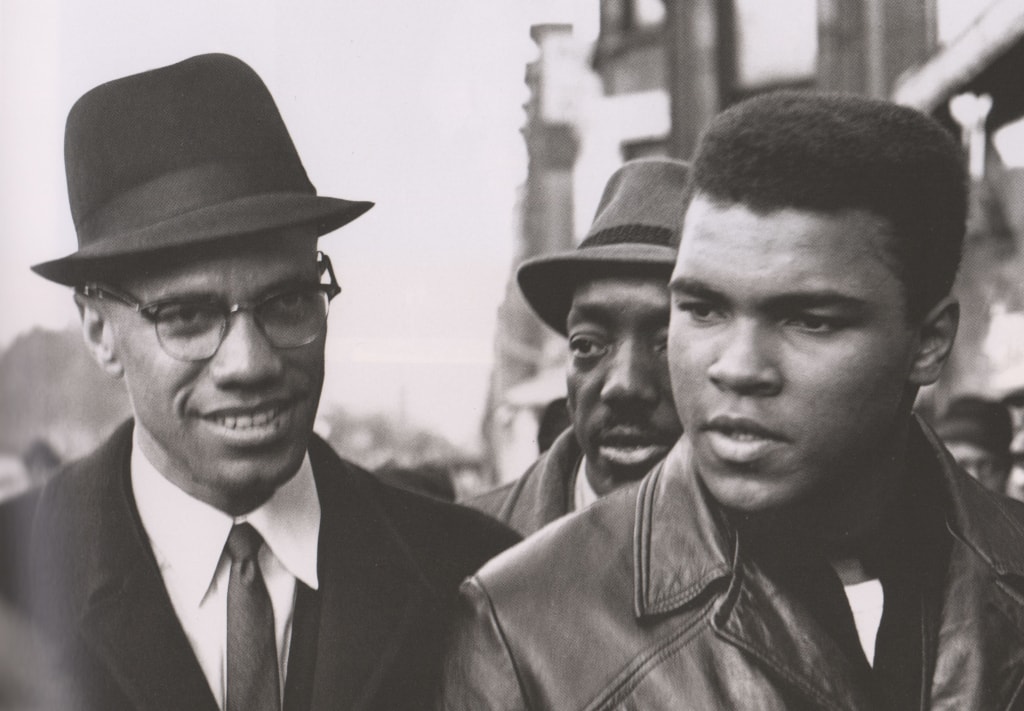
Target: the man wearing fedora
pixel 808 543
pixel 213 553
pixel 609 297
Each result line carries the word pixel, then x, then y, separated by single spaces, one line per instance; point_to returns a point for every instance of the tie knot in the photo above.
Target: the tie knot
pixel 244 542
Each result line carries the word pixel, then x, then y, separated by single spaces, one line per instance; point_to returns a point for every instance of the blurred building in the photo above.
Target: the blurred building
pixel 526 351
pixel 666 67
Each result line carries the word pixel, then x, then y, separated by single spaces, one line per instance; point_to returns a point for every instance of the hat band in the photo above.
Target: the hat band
pixel 634 233
pixel 184 191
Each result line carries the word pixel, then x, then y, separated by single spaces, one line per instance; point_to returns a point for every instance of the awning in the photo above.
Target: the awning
pixel 970 58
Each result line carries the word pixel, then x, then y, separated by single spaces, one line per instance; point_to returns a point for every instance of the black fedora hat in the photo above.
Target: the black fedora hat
pixel 188 155
pixel 635 233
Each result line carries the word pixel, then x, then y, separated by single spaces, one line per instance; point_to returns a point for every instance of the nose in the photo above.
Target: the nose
pixel 245 357
pixel 632 374
pixel 744 364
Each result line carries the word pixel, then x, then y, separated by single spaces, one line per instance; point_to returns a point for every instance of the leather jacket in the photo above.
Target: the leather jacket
pixel 646 601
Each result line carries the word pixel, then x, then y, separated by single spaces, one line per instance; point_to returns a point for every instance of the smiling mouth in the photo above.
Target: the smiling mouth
pixel 247 421
pixel 250 425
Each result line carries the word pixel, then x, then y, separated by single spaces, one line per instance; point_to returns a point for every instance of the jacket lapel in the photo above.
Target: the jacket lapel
pixel 126 617
pixel 981 663
pixel 372 595
pixel 765 621
pixel 546 489
pixel 137 634
pixel 683 548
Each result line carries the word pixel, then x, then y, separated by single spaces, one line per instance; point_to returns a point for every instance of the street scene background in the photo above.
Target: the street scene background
pixel 484 131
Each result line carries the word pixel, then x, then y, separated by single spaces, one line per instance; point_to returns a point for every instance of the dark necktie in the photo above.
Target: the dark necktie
pixel 253 683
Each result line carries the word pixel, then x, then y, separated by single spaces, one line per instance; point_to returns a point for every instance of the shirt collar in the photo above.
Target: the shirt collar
pixel 188 535
pixel 583 493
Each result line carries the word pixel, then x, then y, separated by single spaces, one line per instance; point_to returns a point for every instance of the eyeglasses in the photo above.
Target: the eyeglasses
pixel 192 329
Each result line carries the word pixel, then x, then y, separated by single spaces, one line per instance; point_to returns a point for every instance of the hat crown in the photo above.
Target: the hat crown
pixel 174 160
pixel 643 202
pixel 210 110
pixel 635 234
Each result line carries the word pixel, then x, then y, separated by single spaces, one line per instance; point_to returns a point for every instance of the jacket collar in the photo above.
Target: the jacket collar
pixel 683 548
pixel 679 547
pixel 372 589
pixel 544 493
pixel 988 524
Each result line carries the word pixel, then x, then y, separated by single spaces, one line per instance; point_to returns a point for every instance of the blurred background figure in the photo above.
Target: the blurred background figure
pixel 977 432
pixel 1015 482
pixel 553 422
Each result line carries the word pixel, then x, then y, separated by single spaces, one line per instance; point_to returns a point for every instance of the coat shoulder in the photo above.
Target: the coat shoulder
pixel 588 550
pixel 452 539
pixel 495 501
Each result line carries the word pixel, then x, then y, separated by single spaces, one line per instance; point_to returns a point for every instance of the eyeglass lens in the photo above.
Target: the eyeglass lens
pixel 195 330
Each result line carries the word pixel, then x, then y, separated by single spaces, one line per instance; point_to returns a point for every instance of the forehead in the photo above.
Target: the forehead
pixel 737 249
pixel 618 298
pixel 244 267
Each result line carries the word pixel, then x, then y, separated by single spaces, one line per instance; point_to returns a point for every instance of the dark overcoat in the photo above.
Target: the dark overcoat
pixel 389 566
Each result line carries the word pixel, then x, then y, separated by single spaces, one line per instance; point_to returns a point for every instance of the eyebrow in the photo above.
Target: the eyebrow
pixel 283 284
pixel 824 298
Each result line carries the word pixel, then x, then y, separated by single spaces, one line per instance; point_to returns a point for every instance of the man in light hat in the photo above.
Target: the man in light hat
pixel 808 543
pixel 609 297
pixel 213 553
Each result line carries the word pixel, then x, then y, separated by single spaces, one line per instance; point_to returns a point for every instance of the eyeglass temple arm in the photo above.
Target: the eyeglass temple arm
pixel 95 291
pixel 323 263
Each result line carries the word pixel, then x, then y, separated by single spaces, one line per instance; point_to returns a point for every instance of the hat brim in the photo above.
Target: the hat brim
pixel 549 282
pixel 203 227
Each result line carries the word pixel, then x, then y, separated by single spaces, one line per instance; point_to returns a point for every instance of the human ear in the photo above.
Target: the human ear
pixel 98 333
pixel 936 334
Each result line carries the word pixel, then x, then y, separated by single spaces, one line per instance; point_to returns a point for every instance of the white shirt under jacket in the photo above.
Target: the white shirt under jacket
pixel 188 536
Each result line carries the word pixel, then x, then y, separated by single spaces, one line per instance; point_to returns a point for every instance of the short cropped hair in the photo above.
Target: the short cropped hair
pixel 831 152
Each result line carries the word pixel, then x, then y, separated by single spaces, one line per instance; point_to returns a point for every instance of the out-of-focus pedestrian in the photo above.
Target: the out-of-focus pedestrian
pixel 977 432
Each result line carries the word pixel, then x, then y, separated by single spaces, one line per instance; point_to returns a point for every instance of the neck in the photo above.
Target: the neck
pixel 848 508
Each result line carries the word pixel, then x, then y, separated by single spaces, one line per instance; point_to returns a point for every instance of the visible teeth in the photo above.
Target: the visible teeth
pixel 742 435
pixel 629 454
pixel 257 419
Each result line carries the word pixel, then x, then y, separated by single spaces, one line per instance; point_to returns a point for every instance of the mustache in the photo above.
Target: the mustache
pixel 632 428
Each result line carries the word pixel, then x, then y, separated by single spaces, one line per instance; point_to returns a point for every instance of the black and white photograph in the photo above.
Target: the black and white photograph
pixel 521 355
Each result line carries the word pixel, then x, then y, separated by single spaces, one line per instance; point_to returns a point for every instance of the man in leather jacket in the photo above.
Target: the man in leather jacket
pixel 609 298
pixel 808 543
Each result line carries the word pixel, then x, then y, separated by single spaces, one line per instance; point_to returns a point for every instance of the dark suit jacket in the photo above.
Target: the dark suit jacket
pixel 541 495
pixel 389 566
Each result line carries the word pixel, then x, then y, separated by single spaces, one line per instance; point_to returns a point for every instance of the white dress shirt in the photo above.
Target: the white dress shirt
pixel 583 493
pixel 188 536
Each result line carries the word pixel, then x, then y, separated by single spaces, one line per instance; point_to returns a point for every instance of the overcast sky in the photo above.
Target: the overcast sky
pixel 414 105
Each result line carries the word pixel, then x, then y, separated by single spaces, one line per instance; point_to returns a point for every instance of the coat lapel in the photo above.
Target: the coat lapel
pixel 372 595
pixel 982 664
pixel 125 616
pixel 766 622
pixel 137 634
pixel 984 667
pixel 546 489
pixel 682 548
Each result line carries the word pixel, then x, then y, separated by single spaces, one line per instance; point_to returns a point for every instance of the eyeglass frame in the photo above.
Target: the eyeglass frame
pixel 94 290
